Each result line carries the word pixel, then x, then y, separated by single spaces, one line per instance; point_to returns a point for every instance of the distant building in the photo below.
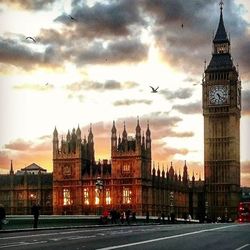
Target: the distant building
pixel 32 169
pixel 19 191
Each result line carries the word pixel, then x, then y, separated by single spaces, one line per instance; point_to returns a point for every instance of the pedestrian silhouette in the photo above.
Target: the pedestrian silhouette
pixel 147 217
pixel 2 216
pixel 35 211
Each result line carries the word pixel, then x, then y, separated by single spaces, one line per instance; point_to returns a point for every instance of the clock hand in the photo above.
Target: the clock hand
pixel 218 95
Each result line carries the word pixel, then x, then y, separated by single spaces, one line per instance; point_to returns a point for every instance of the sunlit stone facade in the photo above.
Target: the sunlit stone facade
pixel 128 181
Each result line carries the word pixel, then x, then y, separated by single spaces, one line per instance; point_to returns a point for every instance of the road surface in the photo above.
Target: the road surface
pixel 170 236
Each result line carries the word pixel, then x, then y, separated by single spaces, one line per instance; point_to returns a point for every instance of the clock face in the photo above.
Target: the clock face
pixel 218 95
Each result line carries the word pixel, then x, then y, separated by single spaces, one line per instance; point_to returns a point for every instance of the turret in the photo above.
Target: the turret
pixel 171 172
pixel 185 174
pixel 68 136
pixel 113 138
pixel 11 168
pixel 138 134
pixel 55 143
pixel 91 152
pixel 148 141
pixel 125 138
pixel 78 134
pixel 143 141
pixel 73 140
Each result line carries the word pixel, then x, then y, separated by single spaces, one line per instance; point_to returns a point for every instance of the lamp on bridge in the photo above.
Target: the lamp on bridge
pixel 99 188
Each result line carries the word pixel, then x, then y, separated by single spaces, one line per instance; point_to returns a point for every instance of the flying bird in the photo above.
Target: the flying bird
pixel 47 84
pixel 31 38
pixel 72 18
pixel 154 90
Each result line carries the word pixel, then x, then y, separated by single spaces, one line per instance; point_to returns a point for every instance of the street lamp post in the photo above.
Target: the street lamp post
pixel 99 188
pixel 171 199
pixel 226 214
pixel 206 211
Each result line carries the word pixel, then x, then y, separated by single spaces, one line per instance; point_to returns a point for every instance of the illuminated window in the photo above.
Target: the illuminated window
pixel 126 195
pixel 108 197
pixel 85 196
pixel 66 197
pixel 97 196
pixel 126 168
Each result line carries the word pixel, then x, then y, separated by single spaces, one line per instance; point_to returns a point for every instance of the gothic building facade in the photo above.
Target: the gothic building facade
pixel 221 111
pixel 128 181
pixel 18 191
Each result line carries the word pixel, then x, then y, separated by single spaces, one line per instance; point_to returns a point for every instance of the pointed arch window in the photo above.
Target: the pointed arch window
pixel 66 197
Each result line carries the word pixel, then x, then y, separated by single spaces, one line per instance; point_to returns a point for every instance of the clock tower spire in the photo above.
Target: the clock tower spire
pixel 221 110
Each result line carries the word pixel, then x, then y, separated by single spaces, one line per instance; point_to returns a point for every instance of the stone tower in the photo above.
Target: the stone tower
pixel 71 159
pixel 131 168
pixel 221 111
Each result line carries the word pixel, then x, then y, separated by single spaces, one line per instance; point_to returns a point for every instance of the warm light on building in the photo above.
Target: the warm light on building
pixel 66 197
pixel 126 196
pixel 86 196
pixel 108 198
pixel 97 196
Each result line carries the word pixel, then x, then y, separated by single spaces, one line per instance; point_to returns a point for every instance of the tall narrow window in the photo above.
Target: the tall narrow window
pixel 126 195
pixel 86 196
pixel 108 197
pixel 97 196
pixel 66 197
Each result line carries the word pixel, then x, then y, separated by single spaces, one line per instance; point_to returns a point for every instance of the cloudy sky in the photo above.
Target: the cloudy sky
pixel 98 68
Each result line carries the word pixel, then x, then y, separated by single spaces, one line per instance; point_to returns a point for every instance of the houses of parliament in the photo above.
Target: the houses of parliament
pixel 130 180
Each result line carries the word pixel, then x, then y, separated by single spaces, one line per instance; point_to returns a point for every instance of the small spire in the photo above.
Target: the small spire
pixel 205 64
pixel 11 168
pixel 113 130
pixel 221 5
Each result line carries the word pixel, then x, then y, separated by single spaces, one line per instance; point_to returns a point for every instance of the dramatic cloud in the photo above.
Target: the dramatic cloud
pixel 108 85
pixel 18 54
pixel 18 145
pixel 161 152
pixel 191 108
pixel 192 43
pixel 24 152
pixel 120 51
pixel 117 18
pixel 178 94
pixel 4 161
pixel 22 145
pixel 28 4
pixel 128 102
pixel 246 102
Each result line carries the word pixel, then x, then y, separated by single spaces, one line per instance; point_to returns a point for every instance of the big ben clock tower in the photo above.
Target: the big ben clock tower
pixel 221 111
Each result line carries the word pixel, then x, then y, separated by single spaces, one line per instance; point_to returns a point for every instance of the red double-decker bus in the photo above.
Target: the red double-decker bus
pixel 244 212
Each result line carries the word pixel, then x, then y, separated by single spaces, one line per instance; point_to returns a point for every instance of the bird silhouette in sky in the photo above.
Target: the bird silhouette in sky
pixel 72 18
pixel 47 84
pixel 31 38
pixel 182 25
pixel 154 90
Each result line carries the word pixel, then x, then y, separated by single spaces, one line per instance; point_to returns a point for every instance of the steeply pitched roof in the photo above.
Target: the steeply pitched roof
pixel 221 34
pixel 220 62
